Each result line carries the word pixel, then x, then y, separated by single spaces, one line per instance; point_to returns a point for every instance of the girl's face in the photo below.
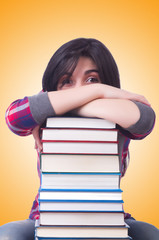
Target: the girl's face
pixel 86 72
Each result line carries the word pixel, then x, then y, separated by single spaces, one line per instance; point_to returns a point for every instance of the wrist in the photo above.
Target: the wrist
pixel 99 90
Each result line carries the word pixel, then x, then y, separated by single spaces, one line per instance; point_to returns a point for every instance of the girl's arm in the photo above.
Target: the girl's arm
pixel 96 100
pixel 66 100
pixel 120 111
pixel 19 117
pixel 29 113
pixel 24 115
pixel 135 119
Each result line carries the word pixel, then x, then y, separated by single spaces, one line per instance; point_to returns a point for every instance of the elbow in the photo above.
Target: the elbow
pixel 18 119
pixel 145 124
pixel 14 127
pixel 147 120
pixel 148 124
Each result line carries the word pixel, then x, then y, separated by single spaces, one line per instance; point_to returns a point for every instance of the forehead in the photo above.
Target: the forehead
pixel 84 64
pixel 85 61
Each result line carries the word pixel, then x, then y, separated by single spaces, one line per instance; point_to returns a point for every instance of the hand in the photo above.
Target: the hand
pixel 36 135
pixel 110 92
pixel 139 98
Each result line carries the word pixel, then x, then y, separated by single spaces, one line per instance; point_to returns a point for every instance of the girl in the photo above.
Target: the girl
pixel 82 79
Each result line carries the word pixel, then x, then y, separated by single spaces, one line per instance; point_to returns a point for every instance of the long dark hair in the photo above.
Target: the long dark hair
pixel 66 58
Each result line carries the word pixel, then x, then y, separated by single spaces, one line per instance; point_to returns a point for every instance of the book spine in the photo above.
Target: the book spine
pixel 95 129
pixel 77 141
pixel 84 201
pixel 78 190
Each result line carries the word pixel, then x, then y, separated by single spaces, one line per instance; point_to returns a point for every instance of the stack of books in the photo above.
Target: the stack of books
pixel 80 195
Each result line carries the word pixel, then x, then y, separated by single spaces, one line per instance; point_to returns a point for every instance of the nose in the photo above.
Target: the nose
pixel 78 83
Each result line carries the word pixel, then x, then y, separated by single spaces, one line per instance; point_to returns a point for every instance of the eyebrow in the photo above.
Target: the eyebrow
pixel 90 71
pixel 85 73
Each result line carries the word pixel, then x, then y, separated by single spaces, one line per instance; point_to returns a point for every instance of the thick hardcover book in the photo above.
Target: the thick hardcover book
pixel 79 134
pixel 79 122
pixel 80 180
pixel 49 205
pixel 76 194
pixel 79 218
pixel 75 232
pixel 80 147
pixel 44 238
pixel 79 163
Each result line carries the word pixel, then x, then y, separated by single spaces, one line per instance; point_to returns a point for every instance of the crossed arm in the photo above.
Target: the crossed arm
pixel 96 100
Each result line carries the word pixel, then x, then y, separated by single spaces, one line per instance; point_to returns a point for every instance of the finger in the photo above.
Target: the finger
pixel 35 145
pixel 38 143
pixel 144 100
pixel 39 146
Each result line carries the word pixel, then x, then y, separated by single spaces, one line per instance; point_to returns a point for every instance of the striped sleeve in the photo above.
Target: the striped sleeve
pixel 19 118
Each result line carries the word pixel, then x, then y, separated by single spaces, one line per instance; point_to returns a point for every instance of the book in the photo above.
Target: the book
pixel 45 238
pixel 81 181
pixel 81 134
pixel 79 163
pixel 82 232
pixel 79 122
pixel 48 238
pixel 49 205
pixel 75 194
pixel 79 218
pixel 80 147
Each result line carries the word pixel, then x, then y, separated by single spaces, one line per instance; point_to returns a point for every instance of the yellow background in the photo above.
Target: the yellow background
pixel 30 33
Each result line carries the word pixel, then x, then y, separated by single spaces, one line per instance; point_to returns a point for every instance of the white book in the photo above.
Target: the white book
pixel 78 122
pixel 80 180
pixel 80 134
pixel 82 218
pixel 80 147
pixel 47 238
pixel 80 206
pixel 80 195
pixel 82 232
pixel 79 163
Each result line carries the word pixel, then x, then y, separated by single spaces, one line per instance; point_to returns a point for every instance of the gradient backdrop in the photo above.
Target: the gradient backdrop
pixel 30 33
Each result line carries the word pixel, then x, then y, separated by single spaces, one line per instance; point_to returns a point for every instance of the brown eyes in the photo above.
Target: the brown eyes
pixel 92 80
pixel 88 80
pixel 67 82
